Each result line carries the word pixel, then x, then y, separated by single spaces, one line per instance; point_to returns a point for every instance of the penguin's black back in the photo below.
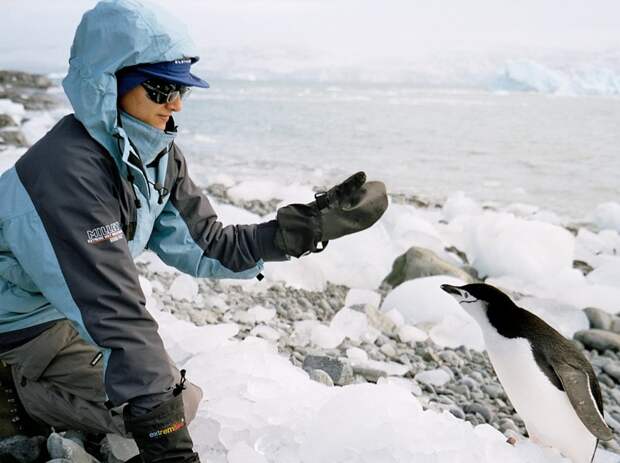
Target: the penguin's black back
pixel 548 345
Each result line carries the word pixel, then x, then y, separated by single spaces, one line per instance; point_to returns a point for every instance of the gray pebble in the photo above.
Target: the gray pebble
pixel 599 339
pixel 481 409
pixel 340 371
pixel 494 391
pixel 599 319
pixel 612 369
pixel 606 380
pixel 456 411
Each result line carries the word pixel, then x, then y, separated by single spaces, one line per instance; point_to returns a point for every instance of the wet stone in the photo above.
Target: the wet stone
pixel 480 409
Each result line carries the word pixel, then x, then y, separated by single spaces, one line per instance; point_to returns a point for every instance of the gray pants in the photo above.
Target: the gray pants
pixel 58 384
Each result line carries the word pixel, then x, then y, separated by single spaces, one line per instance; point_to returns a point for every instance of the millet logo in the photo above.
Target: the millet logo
pixel 112 233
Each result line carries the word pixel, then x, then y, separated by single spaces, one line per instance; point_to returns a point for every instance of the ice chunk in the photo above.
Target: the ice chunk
pixel 455 331
pixel 460 204
pixel 265 332
pixel 607 216
pixel 396 317
pixel 243 453
pixel 499 244
pixel 437 377
pixel 326 337
pixel 351 323
pixel 567 319
pixel 422 301
pixel 362 297
pixel 184 288
pixel 356 355
pixel 15 110
pixel 411 334
pixel 606 274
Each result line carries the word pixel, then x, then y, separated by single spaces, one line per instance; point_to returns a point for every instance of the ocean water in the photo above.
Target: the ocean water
pixel 557 152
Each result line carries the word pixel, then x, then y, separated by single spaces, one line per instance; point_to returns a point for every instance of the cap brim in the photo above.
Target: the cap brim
pixel 190 80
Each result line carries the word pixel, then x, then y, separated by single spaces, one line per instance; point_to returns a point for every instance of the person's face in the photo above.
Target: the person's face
pixel 136 103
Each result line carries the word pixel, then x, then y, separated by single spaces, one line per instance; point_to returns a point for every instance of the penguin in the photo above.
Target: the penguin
pixel 548 380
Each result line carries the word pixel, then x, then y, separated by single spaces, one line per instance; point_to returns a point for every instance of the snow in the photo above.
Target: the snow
pixel 607 216
pixel 184 288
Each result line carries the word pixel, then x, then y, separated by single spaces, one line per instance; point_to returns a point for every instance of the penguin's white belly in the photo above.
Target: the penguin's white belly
pixel 548 415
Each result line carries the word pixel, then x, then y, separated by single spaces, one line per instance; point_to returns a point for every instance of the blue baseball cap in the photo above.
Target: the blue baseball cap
pixel 177 71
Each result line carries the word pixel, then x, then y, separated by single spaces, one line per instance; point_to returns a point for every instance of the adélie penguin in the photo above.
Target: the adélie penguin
pixel 550 383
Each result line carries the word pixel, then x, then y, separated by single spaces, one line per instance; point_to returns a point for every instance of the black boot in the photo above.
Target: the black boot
pixel 162 435
pixel 13 418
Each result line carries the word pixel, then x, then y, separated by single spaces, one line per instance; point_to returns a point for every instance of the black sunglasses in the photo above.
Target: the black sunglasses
pixel 162 92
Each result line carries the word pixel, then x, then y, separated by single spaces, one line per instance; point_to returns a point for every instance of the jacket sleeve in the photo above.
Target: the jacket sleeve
pixel 72 245
pixel 188 235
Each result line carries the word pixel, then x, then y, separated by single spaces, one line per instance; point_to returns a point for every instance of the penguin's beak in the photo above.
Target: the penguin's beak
pixel 453 290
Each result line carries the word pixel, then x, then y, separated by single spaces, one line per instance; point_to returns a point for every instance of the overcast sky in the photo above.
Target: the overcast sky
pixel 37 34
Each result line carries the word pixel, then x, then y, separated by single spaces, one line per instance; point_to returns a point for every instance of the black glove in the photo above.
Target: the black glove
pixel 162 435
pixel 352 206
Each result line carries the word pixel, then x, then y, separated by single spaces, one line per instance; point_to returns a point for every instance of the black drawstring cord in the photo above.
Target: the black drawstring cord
pixel 178 388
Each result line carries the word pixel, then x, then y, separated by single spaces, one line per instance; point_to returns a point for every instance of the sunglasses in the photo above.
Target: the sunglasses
pixel 161 92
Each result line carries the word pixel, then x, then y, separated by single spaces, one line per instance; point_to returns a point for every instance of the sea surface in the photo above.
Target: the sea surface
pixel 561 153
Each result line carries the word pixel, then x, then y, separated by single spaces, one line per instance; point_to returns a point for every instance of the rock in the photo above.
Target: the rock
pixel 613 369
pixel 21 448
pixel 380 321
pixel 456 411
pixel 605 380
pixel 582 266
pixel 482 409
pixel 59 447
pixel 451 358
pixel 370 374
pixel 321 376
pixel 615 324
pixel 599 319
pixel 599 339
pixel 24 79
pixel 494 391
pixel 13 137
pixel 420 262
pixel 507 425
pixel 339 371
pixel 388 349
pixel 6 121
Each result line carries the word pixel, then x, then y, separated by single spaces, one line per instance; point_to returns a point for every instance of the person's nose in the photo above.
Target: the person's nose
pixel 176 105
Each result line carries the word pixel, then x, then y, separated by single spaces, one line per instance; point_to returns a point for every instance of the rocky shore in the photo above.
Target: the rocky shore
pixel 459 381
pixel 21 95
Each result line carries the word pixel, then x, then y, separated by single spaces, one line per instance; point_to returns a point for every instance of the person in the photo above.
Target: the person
pixel 78 348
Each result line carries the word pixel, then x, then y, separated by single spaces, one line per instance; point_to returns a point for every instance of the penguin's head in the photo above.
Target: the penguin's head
pixel 480 300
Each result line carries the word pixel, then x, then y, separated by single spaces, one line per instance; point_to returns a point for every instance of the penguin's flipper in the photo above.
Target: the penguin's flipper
pixel 577 386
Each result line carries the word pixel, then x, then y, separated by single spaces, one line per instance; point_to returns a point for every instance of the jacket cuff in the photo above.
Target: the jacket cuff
pixel 266 236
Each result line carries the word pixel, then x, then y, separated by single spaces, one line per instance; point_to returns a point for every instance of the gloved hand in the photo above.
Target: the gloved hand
pixel 349 207
pixel 162 435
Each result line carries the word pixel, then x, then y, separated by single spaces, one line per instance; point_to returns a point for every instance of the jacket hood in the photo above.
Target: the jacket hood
pixel 113 35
